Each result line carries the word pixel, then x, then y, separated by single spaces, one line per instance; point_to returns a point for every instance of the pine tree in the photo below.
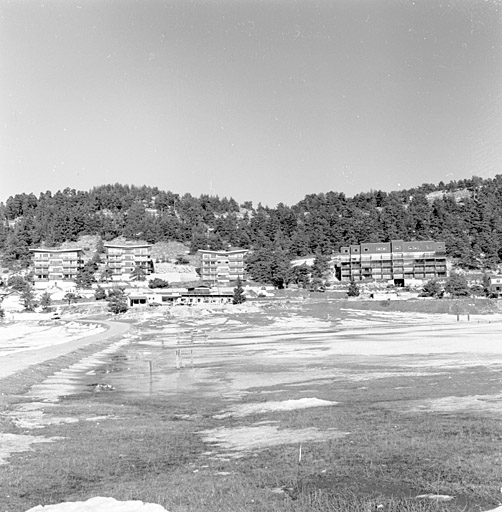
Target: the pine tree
pixel 106 274
pixel 456 285
pixel 239 296
pixel 117 301
pixel 85 275
pixel 139 273
pixel 46 301
pixel 28 298
pixel 485 282
pixel 353 290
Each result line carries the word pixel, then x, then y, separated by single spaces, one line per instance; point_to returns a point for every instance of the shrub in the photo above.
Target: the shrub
pixel 158 283
pixel 118 305
pixel 432 289
pixel 100 293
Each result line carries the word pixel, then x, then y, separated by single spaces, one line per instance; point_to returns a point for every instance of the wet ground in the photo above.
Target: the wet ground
pixel 249 366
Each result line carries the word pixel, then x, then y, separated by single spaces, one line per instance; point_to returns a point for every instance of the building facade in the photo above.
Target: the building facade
pixel 56 264
pixel 122 259
pixel 222 267
pixel 495 284
pixel 395 260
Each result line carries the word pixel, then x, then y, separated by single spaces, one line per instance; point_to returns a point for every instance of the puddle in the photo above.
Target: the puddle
pixel 72 380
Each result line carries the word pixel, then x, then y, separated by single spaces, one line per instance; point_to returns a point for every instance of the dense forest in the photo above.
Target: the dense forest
pixel 466 214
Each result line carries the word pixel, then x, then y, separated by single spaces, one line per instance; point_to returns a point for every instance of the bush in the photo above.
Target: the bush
pixel 118 305
pixel 158 283
pixel 182 260
pixel 432 289
pixel 116 292
pixel 100 293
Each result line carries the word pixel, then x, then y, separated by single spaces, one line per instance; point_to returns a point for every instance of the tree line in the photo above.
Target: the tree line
pixel 466 214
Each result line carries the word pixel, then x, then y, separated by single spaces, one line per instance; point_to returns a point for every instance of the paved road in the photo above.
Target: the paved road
pixel 14 363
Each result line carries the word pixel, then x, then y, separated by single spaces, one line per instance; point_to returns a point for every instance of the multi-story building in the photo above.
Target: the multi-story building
pixel 56 264
pixel 123 258
pixel 395 260
pixel 222 266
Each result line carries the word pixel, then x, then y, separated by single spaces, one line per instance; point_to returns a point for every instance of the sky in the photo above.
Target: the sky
pixel 259 100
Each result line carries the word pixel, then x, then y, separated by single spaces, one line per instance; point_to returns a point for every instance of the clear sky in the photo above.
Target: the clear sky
pixel 261 100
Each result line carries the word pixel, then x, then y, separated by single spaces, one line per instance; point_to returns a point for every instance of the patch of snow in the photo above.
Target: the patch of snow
pixel 240 440
pixel 99 504
pixel 476 403
pixel 437 497
pixel 13 443
pixel 263 407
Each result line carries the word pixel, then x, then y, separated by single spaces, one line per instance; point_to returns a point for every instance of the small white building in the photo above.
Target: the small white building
pixel 495 283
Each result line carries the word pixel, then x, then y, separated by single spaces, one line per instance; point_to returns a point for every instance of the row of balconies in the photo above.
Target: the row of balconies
pixel 392 256
pixel 388 264
pixel 58 264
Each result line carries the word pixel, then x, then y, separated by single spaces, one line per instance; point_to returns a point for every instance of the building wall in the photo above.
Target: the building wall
pixel 122 259
pixel 222 266
pixel 495 284
pixel 56 264
pixel 397 260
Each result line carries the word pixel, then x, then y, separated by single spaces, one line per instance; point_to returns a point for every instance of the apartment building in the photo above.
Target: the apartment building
pixel 123 258
pixel 56 264
pixel 396 260
pixel 222 267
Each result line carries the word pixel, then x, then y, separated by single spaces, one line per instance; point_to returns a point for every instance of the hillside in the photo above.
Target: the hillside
pixel 466 214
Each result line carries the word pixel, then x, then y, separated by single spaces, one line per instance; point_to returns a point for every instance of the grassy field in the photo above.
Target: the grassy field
pixel 151 449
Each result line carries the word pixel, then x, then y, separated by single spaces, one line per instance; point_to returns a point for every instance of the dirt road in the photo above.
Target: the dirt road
pixel 14 363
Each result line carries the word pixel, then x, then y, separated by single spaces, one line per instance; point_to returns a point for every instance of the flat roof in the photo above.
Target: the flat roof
pixel 223 251
pixel 57 250
pixel 126 246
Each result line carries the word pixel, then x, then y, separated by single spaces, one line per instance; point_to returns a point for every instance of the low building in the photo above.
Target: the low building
pixel 222 267
pixel 396 261
pixel 123 258
pixel 187 297
pixel 56 264
pixel 495 284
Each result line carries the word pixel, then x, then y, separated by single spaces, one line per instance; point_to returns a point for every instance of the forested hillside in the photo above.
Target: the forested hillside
pixel 466 214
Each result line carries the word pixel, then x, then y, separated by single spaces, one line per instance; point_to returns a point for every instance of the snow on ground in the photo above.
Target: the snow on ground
pixel 240 440
pixel 19 336
pixel 100 504
pixel 476 403
pixel 31 415
pixel 10 443
pixel 242 410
